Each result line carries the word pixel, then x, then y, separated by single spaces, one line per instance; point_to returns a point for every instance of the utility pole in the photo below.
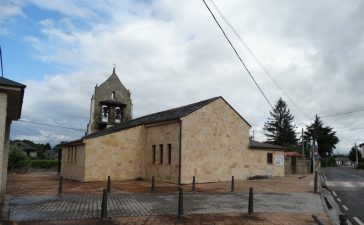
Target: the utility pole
pixel 314 148
pixel 302 145
pixel 356 154
pixel 253 136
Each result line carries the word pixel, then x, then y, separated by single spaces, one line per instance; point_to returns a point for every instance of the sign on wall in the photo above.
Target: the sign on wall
pixel 279 160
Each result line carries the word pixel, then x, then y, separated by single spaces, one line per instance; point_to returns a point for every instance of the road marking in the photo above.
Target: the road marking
pixel 358 221
pixel 346 184
pixel 345 207
pixel 334 193
pixel 338 199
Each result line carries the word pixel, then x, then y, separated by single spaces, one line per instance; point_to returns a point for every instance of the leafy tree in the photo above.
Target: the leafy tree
pixel 352 154
pixel 325 136
pixel 279 128
pixel 17 159
pixel 47 146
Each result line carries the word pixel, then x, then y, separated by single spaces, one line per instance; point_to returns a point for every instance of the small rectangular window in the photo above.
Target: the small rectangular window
pixel 169 153
pixel 69 154
pixel 161 155
pixel 75 154
pixel 270 158
pixel 153 156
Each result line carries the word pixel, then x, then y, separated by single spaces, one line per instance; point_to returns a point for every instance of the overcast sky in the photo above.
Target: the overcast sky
pixel 169 53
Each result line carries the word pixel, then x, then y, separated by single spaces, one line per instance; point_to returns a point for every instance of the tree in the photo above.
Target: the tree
pixel 352 154
pixel 279 128
pixel 325 137
pixel 17 159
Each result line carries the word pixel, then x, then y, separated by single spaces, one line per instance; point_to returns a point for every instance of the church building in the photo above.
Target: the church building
pixel 208 139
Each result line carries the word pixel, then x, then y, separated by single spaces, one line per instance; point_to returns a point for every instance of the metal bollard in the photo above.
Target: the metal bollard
pixel 153 185
pixel 60 187
pixel 232 184
pixel 108 184
pixel 250 207
pixel 193 184
pixel 104 204
pixel 315 183
pixel 180 203
pixel 343 219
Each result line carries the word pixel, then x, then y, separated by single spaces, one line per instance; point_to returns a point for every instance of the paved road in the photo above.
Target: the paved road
pixel 143 204
pixel 347 185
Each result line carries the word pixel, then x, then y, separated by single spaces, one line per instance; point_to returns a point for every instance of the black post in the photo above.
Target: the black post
pixel 104 204
pixel 60 187
pixel 193 184
pixel 232 184
pixel 315 183
pixel 59 160
pixel 250 207
pixel 343 219
pixel 180 203
pixel 153 185
pixel 108 184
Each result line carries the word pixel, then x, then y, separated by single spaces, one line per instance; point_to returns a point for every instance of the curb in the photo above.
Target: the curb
pixel 331 208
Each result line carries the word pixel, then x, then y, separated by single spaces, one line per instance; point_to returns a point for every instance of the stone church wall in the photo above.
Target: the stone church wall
pixel 73 162
pixel 119 155
pixel 162 134
pixel 215 142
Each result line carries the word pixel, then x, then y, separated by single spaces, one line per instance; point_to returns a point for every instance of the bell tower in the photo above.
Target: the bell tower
pixel 110 105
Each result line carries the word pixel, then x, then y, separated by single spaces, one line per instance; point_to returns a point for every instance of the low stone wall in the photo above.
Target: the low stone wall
pixel 301 166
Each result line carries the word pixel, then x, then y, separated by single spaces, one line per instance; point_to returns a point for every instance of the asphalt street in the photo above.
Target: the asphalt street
pixel 347 186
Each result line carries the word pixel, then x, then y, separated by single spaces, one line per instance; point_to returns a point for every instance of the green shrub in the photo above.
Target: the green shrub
pixel 43 164
pixel 328 162
pixel 18 160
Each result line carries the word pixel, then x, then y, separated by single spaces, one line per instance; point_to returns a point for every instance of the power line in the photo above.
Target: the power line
pixel 351 129
pixel 237 54
pixel 256 58
pixel 344 112
pixel 51 125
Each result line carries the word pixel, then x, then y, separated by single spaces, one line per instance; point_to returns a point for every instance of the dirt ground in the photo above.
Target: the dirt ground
pixel 46 183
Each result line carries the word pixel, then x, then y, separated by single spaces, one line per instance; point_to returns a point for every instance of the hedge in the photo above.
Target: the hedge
pixel 43 164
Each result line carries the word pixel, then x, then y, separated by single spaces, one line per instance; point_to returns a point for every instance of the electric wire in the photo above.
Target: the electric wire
pixel 256 58
pixel 51 125
pixel 237 54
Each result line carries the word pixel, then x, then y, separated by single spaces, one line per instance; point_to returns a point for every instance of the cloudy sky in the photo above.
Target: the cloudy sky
pixel 170 53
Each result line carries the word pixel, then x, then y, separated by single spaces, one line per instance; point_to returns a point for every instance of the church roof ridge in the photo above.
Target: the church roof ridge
pixel 162 116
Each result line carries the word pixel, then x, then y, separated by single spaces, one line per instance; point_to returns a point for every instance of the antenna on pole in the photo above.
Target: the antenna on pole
pixel 1 59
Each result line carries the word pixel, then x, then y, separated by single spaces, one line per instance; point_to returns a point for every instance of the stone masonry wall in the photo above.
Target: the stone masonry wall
pixel 214 144
pixel 256 163
pixel 73 162
pixel 163 134
pixel 302 166
pixel 119 155
pixel 103 92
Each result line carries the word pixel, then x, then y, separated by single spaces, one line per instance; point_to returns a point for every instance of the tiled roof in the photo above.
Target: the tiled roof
pixel 7 82
pixel 261 145
pixel 163 116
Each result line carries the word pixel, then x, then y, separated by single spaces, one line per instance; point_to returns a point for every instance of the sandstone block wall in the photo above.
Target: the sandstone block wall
pixel 302 166
pixel 214 144
pixel 73 162
pixel 256 163
pixel 164 134
pixel 119 155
